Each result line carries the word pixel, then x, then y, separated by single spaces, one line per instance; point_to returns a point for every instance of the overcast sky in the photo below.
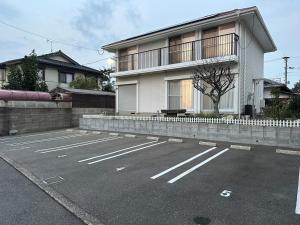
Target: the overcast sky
pixel 93 23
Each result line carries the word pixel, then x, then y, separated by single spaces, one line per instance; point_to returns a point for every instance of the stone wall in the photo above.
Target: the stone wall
pixel 263 135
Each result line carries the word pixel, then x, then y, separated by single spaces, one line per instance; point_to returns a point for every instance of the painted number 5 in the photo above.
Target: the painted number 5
pixel 226 193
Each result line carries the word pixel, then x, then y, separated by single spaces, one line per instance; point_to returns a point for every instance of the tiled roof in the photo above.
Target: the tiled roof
pixel 182 24
pixel 82 91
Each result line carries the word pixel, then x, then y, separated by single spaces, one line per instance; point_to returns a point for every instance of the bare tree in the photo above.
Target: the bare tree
pixel 214 78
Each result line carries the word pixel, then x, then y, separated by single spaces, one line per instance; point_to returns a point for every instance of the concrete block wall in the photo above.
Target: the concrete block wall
pixel 35 116
pixel 78 112
pixel 4 122
pixel 26 120
pixel 275 136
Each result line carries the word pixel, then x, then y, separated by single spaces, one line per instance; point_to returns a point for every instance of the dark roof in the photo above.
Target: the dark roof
pixel 67 65
pixel 182 24
pixel 81 91
pixel 59 53
pixel 274 84
pixel 45 60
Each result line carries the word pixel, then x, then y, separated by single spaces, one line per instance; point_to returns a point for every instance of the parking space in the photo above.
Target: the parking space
pixel 125 180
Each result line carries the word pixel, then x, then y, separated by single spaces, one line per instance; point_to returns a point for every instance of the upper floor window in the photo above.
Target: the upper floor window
pixel 216 41
pixel 65 77
pixel 181 48
pixel 41 74
pixel 128 59
pixel 2 75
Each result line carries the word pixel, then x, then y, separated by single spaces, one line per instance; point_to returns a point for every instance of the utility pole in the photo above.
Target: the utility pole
pixel 285 69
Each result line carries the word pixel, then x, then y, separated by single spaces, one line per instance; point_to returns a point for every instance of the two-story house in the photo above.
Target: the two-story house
pixel 57 69
pixel 154 70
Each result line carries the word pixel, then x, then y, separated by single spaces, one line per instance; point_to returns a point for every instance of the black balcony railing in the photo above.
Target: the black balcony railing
pixel 223 45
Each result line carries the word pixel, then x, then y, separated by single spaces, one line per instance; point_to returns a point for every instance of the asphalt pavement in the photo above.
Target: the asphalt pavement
pixel 134 181
pixel 23 203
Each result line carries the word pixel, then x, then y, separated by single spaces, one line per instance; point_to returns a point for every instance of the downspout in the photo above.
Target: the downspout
pixel 245 63
pixel 239 80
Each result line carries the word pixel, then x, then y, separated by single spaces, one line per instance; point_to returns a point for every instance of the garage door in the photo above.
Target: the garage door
pixel 127 98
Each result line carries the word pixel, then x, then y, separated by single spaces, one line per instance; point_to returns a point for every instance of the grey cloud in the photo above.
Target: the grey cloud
pixel 104 21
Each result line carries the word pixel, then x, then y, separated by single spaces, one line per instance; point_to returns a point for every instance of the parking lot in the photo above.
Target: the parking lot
pixel 121 179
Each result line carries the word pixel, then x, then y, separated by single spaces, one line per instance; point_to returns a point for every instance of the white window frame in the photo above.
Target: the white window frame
pixel 179 78
pixel 234 109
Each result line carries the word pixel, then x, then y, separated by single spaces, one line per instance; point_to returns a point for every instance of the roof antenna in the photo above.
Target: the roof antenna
pixel 51 44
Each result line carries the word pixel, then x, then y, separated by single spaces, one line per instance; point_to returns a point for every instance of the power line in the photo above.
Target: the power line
pixel 92 62
pixel 46 38
pixel 273 60
pixel 277 59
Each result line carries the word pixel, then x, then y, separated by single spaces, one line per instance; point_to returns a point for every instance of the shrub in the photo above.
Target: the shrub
pixel 82 82
pixel 207 115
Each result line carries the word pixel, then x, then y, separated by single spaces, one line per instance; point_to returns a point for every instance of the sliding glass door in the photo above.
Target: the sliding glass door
pixel 180 94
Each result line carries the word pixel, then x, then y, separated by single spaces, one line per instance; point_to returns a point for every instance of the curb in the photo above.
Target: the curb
pixel 176 140
pixel 114 134
pixel 287 152
pixel 83 131
pixel 59 198
pixel 241 147
pixel 130 135
pixel 152 138
pixel 212 144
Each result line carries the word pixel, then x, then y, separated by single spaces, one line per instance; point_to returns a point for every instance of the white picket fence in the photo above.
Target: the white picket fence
pixel 268 123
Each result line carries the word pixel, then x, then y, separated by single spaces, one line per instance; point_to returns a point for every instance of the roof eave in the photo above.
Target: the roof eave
pixel 266 30
pixel 116 45
pixel 91 71
pixel 113 46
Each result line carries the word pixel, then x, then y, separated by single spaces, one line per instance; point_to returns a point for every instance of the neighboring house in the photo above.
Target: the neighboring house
pixel 56 68
pixel 154 70
pixel 284 92
pixel 86 98
pixel 86 101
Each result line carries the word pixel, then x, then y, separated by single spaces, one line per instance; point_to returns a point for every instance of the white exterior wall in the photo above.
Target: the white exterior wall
pixel 152 45
pixel 3 77
pixel 268 94
pixel 251 67
pixel 152 91
pixel 51 77
pixel 59 58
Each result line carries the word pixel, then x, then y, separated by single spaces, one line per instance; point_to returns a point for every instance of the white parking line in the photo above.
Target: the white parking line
pixel 30 135
pixel 125 153
pixel 68 145
pixel 121 150
pixel 182 163
pixel 76 146
pixel 47 139
pixel 196 167
pixel 298 196
pixel 17 149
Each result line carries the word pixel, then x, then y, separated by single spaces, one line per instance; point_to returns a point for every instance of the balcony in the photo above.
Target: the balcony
pixel 218 46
